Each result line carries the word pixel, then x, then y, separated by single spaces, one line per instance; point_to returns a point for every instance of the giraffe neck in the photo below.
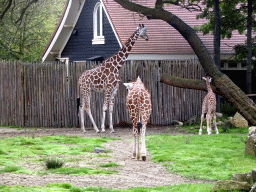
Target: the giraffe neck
pixel 209 87
pixel 123 53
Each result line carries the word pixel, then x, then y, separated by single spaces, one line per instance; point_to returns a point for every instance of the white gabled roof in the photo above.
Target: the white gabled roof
pixel 164 40
pixel 63 30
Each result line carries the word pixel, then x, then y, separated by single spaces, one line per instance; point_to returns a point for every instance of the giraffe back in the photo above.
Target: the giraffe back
pixel 138 102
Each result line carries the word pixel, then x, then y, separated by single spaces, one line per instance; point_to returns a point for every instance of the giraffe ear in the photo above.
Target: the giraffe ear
pixel 128 85
pixel 210 79
pixel 204 78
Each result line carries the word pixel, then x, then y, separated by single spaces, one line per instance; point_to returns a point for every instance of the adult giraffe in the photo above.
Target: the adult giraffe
pixel 138 103
pixel 105 78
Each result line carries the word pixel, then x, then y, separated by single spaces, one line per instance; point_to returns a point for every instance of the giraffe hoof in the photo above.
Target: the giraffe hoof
pixel 103 131
pixel 112 131
pixel 143 158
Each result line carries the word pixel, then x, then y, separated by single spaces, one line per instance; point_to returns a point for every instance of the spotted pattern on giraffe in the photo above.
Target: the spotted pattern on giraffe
pixel 105 78
pixel 138 103
pixel 209 108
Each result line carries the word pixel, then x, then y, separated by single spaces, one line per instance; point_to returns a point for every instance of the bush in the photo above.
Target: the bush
pixel 228 109
pixel 53 163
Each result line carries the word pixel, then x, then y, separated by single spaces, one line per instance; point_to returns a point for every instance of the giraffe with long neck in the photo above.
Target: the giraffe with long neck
pixel 105 78
pixel 209 107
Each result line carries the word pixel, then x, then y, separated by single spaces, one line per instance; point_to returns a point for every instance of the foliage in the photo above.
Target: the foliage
pixel 65 187
pixel 53 163
pixel 14 150
pixel 110 164
pixel 9 169
pixel 228 109
pixel 233 15
pixel 213 157
pixel 24 38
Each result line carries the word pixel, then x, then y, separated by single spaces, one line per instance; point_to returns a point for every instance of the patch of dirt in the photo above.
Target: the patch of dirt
pixel 131 172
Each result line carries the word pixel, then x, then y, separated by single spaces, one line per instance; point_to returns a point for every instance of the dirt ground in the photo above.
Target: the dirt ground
pixel 131 173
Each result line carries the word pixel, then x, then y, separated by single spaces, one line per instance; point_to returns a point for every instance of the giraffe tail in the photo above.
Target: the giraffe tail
pixel 77 105
pixel 139 125
pixel 78 98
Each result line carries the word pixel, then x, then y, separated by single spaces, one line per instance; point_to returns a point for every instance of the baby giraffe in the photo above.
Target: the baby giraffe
pixel 138 103
pixel 209 107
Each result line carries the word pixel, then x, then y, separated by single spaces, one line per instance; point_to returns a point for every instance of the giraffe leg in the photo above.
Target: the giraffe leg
pixel 138 146
pixel 105 108
pixel 82 118
pixel 214 123
pixel 103 119
pixel 136 137
pixel 143 145
pixel 208 119
pixel 111 108
pixel 92 120
pixel 201 125
pixel 86 106
pixel 134 144
pixel 81 114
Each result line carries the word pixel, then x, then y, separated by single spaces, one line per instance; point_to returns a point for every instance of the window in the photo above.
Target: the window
pixel 98 37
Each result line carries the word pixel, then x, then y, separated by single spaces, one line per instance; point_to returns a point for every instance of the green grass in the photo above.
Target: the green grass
pixel 194 129
pixel 110 164
pixel 10 169
pixel 15 150
pixel 65 187
pixel 81 171
pixel 213 157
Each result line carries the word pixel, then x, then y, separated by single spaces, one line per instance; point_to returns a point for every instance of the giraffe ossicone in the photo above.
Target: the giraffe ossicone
pixel 138 103
pixel 209 108
pixel 105 78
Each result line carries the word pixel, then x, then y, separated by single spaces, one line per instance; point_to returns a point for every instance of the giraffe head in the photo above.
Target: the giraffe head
pixel 207 79
pixel 142 32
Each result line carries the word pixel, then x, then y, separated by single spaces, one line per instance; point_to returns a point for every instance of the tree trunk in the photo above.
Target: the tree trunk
pixel 224 85
pixel 217 25
pixel 249 49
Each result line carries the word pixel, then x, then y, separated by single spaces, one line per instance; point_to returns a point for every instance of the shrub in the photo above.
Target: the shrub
pixel 53 163
pixel 228 109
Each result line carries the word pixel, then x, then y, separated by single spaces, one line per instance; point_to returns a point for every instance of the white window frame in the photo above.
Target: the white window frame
pixel 98 39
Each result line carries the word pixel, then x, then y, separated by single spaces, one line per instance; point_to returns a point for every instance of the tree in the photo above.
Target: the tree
pixel 13 5
pixel 249 49
pixel 235 15
pixel 26 26
pixel 221 81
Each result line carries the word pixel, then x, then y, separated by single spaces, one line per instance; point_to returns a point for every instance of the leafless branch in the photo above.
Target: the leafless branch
pixel 5 10
pixel 24 10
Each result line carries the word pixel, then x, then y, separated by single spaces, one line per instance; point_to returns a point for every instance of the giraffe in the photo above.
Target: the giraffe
pixel 105 78
pixel 138 103
pixel 209 107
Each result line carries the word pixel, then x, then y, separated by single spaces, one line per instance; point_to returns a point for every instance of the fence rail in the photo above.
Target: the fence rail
pixel 44 95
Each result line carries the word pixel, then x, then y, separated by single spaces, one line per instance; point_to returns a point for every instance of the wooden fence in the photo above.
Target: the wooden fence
pixel 44 95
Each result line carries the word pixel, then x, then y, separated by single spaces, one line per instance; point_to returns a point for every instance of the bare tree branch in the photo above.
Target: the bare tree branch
pixel 186 83
pixel 5 11
pixel 24 10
